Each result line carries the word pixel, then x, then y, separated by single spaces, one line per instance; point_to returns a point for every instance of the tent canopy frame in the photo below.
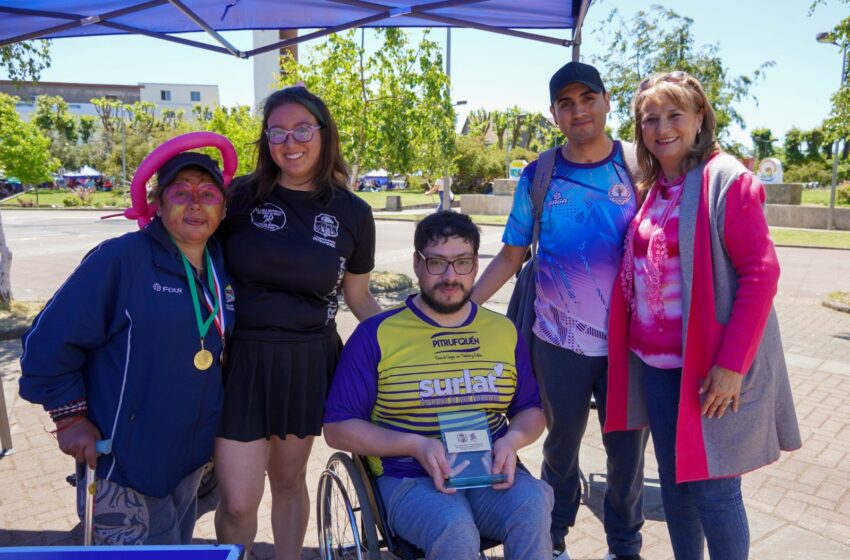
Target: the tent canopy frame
pixel 382 11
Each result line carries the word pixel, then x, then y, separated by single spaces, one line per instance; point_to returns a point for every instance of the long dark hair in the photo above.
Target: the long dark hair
pixel 331 170
pixel 684 91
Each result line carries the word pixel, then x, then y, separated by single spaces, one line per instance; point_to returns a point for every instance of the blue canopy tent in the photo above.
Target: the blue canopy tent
pixel 162 19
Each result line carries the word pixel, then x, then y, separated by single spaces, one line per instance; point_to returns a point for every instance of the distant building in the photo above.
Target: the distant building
pixel 267 64
pixel 179 96
pixel 79 96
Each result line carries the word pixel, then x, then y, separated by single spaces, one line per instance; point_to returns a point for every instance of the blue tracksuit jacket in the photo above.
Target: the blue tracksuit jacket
pixel 121 332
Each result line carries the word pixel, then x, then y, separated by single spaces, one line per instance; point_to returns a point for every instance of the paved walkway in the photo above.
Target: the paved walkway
pixel 798 507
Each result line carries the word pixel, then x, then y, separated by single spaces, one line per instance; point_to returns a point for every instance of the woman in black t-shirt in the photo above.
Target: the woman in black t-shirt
pixel 294 237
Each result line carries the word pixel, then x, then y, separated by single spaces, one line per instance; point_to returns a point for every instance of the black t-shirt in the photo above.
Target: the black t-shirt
pixel 288 254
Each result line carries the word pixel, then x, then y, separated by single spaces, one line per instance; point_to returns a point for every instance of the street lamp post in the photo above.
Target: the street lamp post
pixel 447 184
pixel 829 38
pixel 123 151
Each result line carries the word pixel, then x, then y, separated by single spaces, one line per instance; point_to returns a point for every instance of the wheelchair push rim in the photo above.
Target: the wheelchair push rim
pixel 346 523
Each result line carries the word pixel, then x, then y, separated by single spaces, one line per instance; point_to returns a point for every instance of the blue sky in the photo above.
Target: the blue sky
pixel 495 72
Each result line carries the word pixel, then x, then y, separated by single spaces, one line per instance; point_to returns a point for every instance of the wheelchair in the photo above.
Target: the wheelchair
pixel 352 520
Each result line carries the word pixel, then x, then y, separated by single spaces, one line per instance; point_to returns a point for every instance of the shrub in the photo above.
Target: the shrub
pixel 842 194
pixel 477 164
pixel 71 201
pixel 808 172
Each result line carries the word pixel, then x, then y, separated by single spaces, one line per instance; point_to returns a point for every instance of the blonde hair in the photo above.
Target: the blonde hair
pixel 684 91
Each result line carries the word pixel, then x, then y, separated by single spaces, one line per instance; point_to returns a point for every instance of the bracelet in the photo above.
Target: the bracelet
pixel 74 421
pixel 73 408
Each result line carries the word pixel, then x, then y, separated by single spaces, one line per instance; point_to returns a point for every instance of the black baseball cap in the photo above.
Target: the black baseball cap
pixel 575 72
pixel 169 170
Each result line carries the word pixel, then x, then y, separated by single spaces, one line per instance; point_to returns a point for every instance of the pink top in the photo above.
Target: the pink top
pixel 655 330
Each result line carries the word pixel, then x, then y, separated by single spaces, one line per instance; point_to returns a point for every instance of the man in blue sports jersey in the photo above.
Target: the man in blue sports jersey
pixel 440 353
pixel 589 203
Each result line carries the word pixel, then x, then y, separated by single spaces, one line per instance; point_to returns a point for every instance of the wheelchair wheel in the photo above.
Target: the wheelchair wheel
pixel 344 516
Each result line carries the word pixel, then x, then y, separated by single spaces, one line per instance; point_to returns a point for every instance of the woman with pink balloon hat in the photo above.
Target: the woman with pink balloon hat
pixel 127 356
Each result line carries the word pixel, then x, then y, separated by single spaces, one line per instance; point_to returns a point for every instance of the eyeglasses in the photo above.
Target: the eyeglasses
pixel 437 265
pixel 207 194
pixel 675 77
pixel 301 133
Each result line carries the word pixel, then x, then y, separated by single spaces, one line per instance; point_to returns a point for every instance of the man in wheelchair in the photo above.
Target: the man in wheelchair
pixel 405 371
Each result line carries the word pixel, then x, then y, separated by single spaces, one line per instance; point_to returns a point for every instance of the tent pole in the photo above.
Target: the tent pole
pixel 204 25
pixel 577 28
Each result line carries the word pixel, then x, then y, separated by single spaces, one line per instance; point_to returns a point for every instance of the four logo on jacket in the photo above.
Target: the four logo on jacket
pixel 268 217
pixel 157 287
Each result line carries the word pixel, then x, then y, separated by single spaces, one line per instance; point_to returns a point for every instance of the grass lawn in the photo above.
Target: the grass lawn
pixel 781 236
pixel 51 198
pixel 840 297
pixel 18 314
pixel 480 219
pixel 819 197
pixel 811 238
pixel 378 200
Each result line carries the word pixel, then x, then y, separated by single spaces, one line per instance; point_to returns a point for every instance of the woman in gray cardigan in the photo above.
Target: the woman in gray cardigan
pixel 694 316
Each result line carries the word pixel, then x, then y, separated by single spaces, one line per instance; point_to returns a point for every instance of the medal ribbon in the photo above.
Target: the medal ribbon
pixel 203 326
pixel 219 317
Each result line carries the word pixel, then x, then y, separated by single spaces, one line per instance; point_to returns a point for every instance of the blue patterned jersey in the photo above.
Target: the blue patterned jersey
pixel 585 215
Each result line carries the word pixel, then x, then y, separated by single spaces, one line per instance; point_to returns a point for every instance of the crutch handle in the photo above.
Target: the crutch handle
pixel 103 447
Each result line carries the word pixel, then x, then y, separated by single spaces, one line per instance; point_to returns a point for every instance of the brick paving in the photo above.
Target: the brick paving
pixel 798 508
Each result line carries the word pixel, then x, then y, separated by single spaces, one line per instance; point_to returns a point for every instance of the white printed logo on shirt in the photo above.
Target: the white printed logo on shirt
pixel 268 217
pixel 325 226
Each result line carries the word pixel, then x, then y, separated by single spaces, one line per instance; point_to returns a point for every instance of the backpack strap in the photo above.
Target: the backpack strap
pixel 539 186
pixel 630 159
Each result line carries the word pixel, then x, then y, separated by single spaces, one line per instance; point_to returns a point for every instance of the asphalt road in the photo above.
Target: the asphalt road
pixel 48 244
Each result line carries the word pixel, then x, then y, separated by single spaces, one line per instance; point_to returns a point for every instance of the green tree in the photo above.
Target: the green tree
pixel 53 116
pixel 661 40
pixel 763 142
pixel 26 60
pixel 19 61
pixel 814 143
pixel 25 150
pixel 794 139
pixel 392 107
pixel 837 125
pixel 478 122
pixel 86 126
pixel 240 127
pixel 110 113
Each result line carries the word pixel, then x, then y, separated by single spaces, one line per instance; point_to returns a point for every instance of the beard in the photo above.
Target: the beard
pixel 429 297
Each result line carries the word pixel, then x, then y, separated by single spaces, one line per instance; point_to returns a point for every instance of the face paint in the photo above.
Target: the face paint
pixel 187 209
pixel 185 193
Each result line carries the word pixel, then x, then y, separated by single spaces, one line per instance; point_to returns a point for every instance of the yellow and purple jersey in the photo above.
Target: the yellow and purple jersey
pixel 399 370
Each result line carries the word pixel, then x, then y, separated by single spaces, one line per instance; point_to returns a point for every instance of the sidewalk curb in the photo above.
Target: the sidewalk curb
pixel 834 305
pixel 13 333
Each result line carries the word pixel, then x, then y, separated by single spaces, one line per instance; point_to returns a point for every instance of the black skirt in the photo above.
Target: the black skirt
pixel 277 388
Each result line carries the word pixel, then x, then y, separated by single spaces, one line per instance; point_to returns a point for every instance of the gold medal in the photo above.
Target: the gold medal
pixel 203 359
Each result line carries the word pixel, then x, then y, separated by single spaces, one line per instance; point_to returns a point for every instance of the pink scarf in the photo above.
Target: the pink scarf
pixel 656 258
